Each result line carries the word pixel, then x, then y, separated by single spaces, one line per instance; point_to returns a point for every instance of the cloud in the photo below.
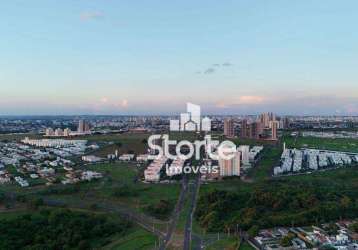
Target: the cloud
pixel 250 99
pixel 87 16
pixel 124 103
pixel 288 105
pixel 214 67
pixel 242 100
pixel 227 64
pixel 209 71
pixel 104 100
pixel 105 104
pixel 351 108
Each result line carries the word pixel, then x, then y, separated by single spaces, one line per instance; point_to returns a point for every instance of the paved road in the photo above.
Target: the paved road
pixel 176 213
pixel 189 222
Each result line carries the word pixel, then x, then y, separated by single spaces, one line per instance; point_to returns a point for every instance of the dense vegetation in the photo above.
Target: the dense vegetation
pixel 300 200
pixel 354 227
pixel 58 229
pixel 160 210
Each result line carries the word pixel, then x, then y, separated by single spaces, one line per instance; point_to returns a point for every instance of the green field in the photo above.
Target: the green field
pixel 347 145
pixel 246 246
pixel 145 194
pixel 18 137
pixel 225 244
pixel 120 186
pixel 136 239
pixel 12 214
pixel 270 158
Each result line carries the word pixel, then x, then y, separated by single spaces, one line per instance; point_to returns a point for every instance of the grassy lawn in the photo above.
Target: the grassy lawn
pixel 12 214
pixel 137 239
pixel 115 137
pixel 126 143
pixel 122 177
pixel 228 185
pixel 270 158
pixel 125 174
pixel 225 244
pixel 348 145
pixel 250 142
pixel 136 147
pixel 18 137
pixel 116 176
pixel 246 246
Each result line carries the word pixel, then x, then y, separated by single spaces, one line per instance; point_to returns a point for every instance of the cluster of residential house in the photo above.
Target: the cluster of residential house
pixel 123 157
pixel 307 160
pixel 5 177
pixel 126 157
pixel 312 237
pixel 143 158
pixel 22 182
pixel 91 158
pixel 41 159
pixel 55 143
pixel 75 176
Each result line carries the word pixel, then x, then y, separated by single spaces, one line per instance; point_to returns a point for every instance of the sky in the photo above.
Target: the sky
pixel 119 57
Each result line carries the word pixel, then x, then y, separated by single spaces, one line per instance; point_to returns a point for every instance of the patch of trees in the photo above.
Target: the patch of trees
pixel 354 227
pixel 125 190
pixel 58 229
pixel 331 229
pixel 278 203
pixel 160 210
pixel 61 190
pixel 287 240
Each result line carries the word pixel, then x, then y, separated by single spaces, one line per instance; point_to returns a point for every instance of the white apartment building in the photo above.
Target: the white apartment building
pixel 54 142
pixel 176 167
pixel 152 173
pixel 230 167
pixel 245 154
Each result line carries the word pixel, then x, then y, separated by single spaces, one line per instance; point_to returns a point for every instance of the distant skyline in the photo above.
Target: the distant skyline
pixel 151 57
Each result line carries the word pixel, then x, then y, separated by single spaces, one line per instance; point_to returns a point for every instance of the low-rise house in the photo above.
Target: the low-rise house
pixel 45 172
pixel 126 157
pixel 89 175
pixel 142 158
pixel 91 158
pixel 21 181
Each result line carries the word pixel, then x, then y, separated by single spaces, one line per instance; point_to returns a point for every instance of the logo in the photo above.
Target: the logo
pixel 183 152
pixel 191 120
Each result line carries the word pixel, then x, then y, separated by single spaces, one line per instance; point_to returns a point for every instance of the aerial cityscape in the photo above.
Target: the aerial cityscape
pixel 172 125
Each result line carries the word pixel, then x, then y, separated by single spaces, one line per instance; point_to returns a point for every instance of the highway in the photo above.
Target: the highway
pixel 189 222
pixel 176 213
